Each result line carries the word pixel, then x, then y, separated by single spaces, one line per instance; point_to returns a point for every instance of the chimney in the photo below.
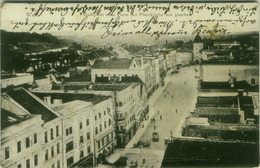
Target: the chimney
pixel 142 61
pixel 240 97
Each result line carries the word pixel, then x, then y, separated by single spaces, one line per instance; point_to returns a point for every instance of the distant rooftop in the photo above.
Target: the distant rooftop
pixel 8 118
pixel 31 104
pixel 114 63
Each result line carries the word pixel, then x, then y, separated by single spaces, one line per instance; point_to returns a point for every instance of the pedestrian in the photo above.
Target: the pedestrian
pixel 158 111
pixel 176 111
pixel 144 161
pixel 185 83
pixel 161 117
pixel 164 95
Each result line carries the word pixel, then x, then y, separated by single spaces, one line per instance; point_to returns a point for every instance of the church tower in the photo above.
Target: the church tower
pixel 197 47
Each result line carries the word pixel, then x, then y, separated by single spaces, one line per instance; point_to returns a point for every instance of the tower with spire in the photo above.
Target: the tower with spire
pixel 197 47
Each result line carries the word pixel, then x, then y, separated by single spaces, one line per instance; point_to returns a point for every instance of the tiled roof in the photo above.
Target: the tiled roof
pixel 114 63
pixel 31 104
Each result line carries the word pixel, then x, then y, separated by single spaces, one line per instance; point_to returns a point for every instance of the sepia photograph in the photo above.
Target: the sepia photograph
pixel 129 84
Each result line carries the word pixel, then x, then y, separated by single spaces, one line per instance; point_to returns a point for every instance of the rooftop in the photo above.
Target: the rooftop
pixel 72 107
pixel 216 111
pixel 8 118
pixel 225 126
pixel 221 101
pixel 32 104
pixel 114 63
pixel 197 39
pixel 69 97
pixel 112 87
pixel 226 85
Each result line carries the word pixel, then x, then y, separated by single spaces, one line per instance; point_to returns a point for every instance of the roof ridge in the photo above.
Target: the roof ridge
pixel 42 102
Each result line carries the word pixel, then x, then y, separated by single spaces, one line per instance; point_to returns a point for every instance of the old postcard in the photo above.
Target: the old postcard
pixel 127 84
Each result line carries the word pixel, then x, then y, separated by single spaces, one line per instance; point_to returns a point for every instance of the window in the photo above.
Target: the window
pixel 109 121
pixel 99 115
pixel 120 104
pixel 105 112
pixel 35 160
pixel 57 131
pixel 100 127
pixel 70 161
pixel 46 155
pixel 253 81
pixel 89 149
pixel 81 140
pixel 58 164
pixel 69 146
pixel 88 136
pixel 7 152
pixel 19 147
pixel 80 125
pixel 87 122
pixel 52 134
pixel 58 148
pixel 68 131
pixel 81 154
pixel 28 163
pixel 35 138
pixel 96 130
pixel 19 166
pixel 98 144
pixel 103 142
pixel 52 151
pixel 45 136
pixel 27 142
pixel 105 124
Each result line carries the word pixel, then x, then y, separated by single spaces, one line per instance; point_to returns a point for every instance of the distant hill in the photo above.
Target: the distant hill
pixel 21 37
pixel 15 44
pixel 25 42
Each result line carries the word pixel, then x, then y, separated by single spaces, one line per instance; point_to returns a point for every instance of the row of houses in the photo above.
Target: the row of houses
pixel 65 134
